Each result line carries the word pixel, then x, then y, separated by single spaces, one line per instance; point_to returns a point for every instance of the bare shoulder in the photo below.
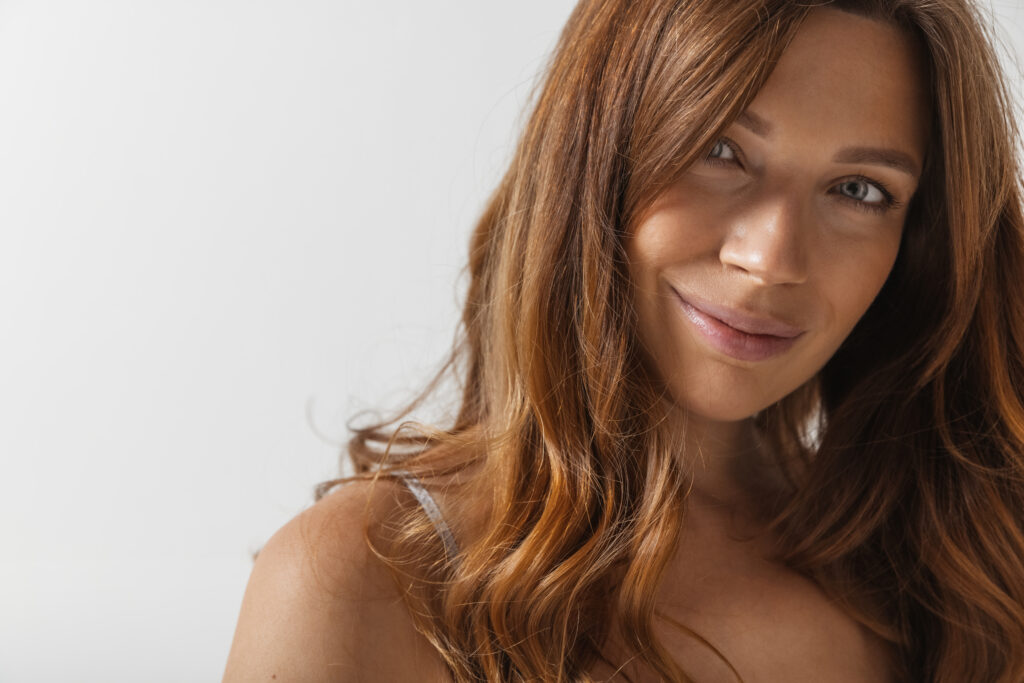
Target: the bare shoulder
pixel 321 606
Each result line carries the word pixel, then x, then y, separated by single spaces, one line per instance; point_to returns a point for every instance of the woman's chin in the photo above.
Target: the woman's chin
pixel 708 409
pixel 715 413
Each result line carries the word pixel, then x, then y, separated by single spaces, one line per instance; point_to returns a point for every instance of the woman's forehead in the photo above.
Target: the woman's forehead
pixel 847 79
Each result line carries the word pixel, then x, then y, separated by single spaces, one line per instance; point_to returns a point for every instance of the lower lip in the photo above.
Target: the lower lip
pixel 732 342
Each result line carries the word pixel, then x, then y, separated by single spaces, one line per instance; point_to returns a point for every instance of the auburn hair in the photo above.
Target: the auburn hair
pixel 909 494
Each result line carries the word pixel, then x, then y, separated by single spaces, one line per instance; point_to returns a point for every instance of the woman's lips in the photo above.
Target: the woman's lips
pixel 759 338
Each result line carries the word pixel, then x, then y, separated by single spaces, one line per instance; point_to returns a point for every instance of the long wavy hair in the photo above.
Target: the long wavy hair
pixel 910 498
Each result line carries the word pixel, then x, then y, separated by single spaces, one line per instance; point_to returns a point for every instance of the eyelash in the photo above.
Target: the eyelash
pixel 889 202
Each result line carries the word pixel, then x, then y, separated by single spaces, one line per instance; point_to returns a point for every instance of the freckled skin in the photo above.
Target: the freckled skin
pixel 774 227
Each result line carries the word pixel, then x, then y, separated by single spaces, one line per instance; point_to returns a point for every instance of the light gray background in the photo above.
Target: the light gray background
pixel 225 226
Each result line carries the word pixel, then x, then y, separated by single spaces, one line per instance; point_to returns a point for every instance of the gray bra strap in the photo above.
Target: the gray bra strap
pixel 429 506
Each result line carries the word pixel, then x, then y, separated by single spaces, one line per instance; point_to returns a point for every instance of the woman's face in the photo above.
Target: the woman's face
pixel 757 263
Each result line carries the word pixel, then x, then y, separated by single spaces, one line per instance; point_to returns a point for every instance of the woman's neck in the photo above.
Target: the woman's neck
pixel 733 470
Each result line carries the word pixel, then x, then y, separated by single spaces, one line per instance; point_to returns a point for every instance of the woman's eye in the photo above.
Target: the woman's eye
pixel 869 195
pixel 862 191
pixel 721 154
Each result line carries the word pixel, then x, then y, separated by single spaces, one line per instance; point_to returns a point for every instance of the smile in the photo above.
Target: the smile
pixel 753 345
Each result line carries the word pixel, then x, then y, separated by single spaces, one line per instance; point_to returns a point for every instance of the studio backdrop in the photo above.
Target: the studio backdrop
pixel 226 227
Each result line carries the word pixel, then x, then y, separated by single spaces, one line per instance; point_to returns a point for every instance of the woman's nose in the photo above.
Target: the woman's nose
pixel 768 242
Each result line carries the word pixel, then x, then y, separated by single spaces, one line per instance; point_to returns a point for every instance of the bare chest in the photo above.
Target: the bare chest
pixel 727 614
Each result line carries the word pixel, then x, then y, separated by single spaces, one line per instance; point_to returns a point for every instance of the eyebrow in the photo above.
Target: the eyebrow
pixel 892 158
pixel 881 156
pixel 755 124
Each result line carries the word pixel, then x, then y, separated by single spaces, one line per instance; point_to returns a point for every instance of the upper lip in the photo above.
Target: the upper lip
pixel 742 320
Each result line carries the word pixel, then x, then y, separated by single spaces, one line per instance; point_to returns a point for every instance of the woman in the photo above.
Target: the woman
pixel 742 363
